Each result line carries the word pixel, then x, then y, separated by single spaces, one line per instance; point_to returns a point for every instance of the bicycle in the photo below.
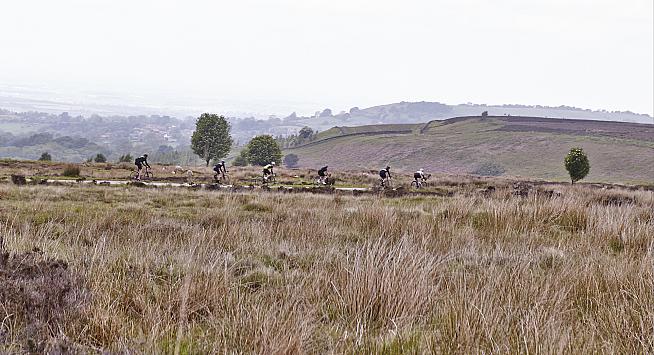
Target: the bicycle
pixel 385 182
pixel 418 183
pixel 145 175
pixel 218 180
pixel 268 179
pixel 322 180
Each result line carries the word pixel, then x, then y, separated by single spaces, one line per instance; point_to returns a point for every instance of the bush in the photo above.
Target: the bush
pixel 291 160
pixel 240 160
pixel 45 157
pixel 71 170
pixel 577 164
pixel 100 158
pixel 263 150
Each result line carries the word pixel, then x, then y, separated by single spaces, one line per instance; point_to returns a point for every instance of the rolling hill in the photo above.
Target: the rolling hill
pixel 500 145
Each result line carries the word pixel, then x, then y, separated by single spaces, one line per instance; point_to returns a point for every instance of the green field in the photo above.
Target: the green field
pixel 513 146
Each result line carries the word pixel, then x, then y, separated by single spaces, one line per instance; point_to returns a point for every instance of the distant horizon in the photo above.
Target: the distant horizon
pixel 242 113
pixel 289 55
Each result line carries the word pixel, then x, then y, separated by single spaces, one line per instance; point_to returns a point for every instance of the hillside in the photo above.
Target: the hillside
pixel 518 146
pixel 416 112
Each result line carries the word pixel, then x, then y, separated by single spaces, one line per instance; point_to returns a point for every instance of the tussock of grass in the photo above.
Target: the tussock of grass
pixel 208 272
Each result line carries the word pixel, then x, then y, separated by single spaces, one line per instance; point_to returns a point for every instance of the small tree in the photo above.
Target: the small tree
pixel 291 160
pixel 577 164
pixel 240 160
pixel 305 133
pixel 100 158
pixel 45 157
pixel 211 139
pixel 263 149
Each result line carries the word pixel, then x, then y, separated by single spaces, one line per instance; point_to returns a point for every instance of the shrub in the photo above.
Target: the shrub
pixel 240 160
pixel 100 158
pixel 291 160
pixel 577 164
pixel 45 157
pixel 71 170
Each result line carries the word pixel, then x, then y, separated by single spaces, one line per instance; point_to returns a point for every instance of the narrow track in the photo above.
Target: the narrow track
pixel 192 185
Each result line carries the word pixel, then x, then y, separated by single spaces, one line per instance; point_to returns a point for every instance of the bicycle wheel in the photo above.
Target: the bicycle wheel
pixel 414 184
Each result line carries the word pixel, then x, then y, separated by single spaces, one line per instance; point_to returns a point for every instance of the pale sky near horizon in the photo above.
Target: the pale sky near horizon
pixel 596 54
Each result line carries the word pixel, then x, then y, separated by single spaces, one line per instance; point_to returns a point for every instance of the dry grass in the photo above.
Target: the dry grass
pixel 169 270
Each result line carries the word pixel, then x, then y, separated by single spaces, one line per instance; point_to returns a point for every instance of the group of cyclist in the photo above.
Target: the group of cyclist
pixel 220 170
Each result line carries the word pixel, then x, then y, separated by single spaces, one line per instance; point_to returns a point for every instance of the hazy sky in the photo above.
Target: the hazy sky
pixel 339 53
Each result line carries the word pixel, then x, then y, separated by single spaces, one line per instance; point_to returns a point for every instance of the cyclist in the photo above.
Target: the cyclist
pixel 220 169
pixel 140 162
pixel 385 174
pixel 419 177
pixel 322 174
pixel 268 171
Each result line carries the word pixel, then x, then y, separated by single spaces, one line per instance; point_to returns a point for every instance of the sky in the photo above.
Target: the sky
pixel 306 55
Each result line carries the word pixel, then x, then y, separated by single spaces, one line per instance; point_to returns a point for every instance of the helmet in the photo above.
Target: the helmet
pixel 421 169
pixel 145 155
pixel 388 167
pixel 273 163
pixel 222 161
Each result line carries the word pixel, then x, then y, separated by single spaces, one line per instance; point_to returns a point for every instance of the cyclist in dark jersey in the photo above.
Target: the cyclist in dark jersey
pixel 385 174
pixel 322 173
pixel 140 162
pixel 220 169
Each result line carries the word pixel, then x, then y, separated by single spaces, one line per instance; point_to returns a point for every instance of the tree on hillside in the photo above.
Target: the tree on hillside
pixel 291 160
pixel 45 157
pixel 263 150
pixel 577 164
pixel 211 139
pixel 100 158
pixel 305 133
